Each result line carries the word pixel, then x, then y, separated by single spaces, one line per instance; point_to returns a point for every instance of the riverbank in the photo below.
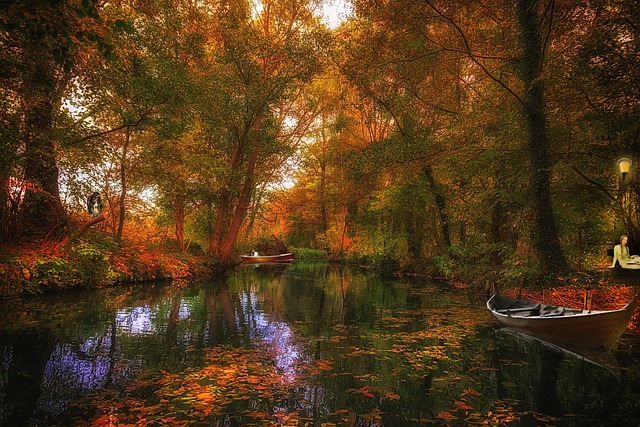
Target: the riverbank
pixel 47 266
pixel 44 266
pixel 39 267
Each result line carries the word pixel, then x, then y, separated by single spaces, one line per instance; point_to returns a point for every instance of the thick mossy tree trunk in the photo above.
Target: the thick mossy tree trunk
pixel 545 234
pixel 42 211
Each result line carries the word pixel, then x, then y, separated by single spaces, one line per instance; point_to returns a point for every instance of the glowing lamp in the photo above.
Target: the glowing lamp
pixel 625 167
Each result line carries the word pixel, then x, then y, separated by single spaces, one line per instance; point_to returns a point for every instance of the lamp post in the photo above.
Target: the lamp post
pixel 625 166
pixel 628 193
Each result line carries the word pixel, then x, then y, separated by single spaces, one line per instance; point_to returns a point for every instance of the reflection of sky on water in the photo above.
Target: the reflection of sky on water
pixel 136 320
pixel 279 336
pixel 72 367
pixel 103 361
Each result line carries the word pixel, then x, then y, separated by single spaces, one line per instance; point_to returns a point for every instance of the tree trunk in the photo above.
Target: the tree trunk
pixel 241 208
pixel 123 183
pixel 42 210
pixel 545 235
pixel 223 205
pixel 178 213
pixel 440 205
pixel 222 245
pixel 323 179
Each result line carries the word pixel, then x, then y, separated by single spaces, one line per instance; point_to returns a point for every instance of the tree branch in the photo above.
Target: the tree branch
pixel 106 132
pixel 472 56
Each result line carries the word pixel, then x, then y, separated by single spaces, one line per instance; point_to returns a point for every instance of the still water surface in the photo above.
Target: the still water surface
pixel 296 345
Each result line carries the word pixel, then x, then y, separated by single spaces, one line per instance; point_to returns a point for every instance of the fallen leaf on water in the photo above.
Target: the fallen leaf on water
pixel 257 415
pixel 447 416
pixel 463 405
pixel 391 395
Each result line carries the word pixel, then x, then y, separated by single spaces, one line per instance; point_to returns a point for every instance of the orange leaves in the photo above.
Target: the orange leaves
pixel 448 416
pixel 206 396
pixel 104 420
pixel 365 391
pixel 462 405
pixel 471 392
pixel 360 352
pixel 258 415
pixel 392 396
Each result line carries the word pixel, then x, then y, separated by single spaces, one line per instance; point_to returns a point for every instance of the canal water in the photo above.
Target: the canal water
pixel 295 345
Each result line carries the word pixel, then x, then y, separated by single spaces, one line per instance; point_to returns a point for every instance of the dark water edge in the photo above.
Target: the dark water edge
pixel 302 344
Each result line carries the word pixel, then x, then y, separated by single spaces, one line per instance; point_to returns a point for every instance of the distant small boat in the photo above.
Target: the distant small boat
pixel 588 329
pixel 261 259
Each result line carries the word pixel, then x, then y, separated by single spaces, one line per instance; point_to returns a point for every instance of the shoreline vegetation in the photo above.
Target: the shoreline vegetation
pixel 40 267
pixel 44 267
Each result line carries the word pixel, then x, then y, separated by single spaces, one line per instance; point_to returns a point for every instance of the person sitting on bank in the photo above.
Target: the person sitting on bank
pixel 621 255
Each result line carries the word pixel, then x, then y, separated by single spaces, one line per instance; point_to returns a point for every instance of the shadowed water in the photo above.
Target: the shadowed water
pixel 295 345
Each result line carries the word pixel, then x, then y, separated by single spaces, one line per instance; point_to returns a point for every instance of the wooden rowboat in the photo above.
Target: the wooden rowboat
pixel 263 259
pixel 561 325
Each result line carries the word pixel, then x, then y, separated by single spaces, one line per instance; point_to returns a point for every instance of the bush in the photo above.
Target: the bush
pixel 54 272
pixel 93 263
pixel 310 254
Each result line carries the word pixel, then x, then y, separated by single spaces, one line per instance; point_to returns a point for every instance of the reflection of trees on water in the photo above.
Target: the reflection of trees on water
pixel 54 362
pixel 336 335
pixel 551 381
pixel 22 369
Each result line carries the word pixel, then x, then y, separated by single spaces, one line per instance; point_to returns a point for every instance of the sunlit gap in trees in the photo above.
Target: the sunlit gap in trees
pixel 335 12
pixel 332 12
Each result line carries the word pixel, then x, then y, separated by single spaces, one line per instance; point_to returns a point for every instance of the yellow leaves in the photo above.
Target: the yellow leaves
pixel 375 414
pixel 360 352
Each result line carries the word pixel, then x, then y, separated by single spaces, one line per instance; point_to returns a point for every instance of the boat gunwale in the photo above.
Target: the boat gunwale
pixel 267 256
pixel 578 312
pixel 267 259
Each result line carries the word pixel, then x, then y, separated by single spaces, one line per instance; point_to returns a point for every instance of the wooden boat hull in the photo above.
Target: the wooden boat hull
pixel 559 325
pixel 264 259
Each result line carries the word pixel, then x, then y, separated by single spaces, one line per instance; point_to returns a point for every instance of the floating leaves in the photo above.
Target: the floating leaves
pixel 364 391
pixel 448 416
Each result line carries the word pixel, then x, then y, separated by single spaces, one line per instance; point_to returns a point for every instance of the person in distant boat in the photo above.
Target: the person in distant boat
pixel 621 255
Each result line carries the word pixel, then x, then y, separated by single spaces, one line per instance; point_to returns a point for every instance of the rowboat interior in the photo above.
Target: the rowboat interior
pixel 519 308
